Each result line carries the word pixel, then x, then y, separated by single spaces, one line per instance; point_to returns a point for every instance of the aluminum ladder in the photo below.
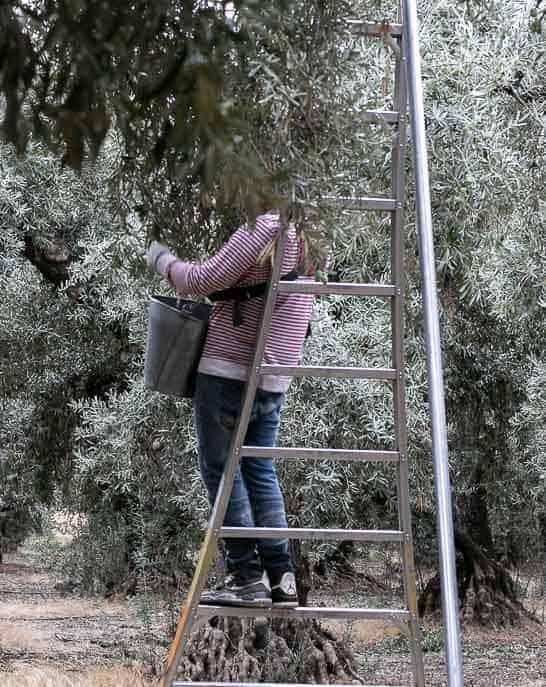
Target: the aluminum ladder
pixel 402 37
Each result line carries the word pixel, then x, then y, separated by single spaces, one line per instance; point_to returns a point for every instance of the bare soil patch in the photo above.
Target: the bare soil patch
pixel 50 638
pixel 42 629
pixel 50 677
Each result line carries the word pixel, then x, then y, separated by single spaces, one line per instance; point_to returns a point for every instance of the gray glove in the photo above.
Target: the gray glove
pixel 160 258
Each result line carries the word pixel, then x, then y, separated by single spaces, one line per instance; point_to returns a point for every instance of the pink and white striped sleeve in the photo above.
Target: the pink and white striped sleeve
pixel 236 257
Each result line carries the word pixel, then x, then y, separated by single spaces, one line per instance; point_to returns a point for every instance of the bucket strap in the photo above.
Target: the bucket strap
pixel 240 294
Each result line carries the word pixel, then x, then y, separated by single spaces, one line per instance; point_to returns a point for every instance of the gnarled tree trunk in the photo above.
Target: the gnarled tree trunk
pixel 487 593
pixel 259 650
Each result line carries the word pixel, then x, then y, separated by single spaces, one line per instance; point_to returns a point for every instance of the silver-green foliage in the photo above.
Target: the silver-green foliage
pixel 131 455
pixel 78 430
pixel 485 105
pixel 484 83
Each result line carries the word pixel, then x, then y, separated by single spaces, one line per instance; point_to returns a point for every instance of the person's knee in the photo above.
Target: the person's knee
pixel 238 513
pixel 270 514
pixel 260 475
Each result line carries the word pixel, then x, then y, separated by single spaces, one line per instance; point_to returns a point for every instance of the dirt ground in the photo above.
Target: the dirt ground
pixel 53 638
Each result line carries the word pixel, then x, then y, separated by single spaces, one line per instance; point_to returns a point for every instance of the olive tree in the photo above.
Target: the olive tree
pixel 250 102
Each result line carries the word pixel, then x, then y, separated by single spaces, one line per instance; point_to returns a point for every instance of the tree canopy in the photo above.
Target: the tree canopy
pixel 169 129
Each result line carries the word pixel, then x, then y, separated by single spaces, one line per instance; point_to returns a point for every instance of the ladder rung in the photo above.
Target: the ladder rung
pixel 255 684
pixel 320 454
pixel 393 615
pixel 337 289
pixel 373 28
pixel 378 373
pixel 380 116
pixel 362 203
pixel 308 533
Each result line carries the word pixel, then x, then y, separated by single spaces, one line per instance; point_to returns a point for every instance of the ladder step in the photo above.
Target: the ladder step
pixel 362 203
pixel 320 454
pixel 378 373
pixel 380 116
pixel 308 533
pixel 393 615
pixel 373 28
pixel 337 289
pixel 256 684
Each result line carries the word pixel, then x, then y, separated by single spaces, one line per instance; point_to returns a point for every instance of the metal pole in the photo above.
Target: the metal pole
pixel 450 599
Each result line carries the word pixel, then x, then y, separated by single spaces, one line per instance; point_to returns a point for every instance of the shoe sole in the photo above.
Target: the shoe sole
pixel 285 604
pixel 255 603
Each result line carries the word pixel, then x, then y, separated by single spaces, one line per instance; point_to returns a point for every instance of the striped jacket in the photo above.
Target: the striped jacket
pixel 229 349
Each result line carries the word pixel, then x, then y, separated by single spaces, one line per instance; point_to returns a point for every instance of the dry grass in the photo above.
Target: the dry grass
pixel 98 677
pixel 14 637
pixel 60 608
pixel 365 631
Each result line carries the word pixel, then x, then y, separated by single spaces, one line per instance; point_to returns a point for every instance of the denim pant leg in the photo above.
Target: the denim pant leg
pixel 216 407
pixel 260 477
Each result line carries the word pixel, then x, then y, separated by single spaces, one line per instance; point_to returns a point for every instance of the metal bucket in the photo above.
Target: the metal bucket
pixel 176 334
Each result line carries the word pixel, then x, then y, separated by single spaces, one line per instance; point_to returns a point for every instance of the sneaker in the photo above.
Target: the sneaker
pixel 240 591
pixel 283 589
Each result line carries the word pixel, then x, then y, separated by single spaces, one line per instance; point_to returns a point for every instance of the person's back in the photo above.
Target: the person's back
pixel 228 347
pixel 260 572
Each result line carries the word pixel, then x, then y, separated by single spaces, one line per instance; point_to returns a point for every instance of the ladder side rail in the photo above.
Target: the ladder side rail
pixel 448 577
pixel 190 610
pixel 398 361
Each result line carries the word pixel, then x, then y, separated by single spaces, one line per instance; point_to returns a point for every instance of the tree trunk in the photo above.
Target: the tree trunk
pixel 338 561
pixel 259 650
pixel 52 263
pixel 476 514
pixel 487 593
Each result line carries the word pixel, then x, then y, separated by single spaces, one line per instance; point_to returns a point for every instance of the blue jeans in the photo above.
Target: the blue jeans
pixel 256 499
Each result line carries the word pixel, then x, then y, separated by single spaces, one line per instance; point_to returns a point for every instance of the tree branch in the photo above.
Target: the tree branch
pixel 52 263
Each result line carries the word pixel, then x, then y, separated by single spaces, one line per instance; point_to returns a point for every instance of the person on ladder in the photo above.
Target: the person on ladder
pixel 258 572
